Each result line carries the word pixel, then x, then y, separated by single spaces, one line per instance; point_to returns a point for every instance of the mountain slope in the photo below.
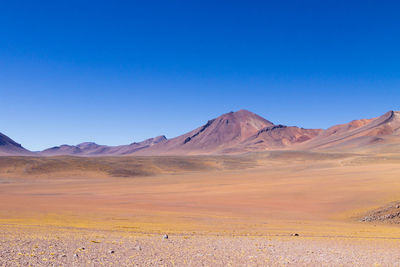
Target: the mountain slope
pixel 278 137
pixel 358 134
pixel 10 147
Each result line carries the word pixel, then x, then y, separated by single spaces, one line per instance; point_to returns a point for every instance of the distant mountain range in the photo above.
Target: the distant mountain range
pixel 93 149
pixel 241 132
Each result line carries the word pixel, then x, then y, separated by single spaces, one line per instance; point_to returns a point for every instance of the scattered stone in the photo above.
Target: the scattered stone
pixel 165 236
pixel 111 251
pixel 388 213
pixel 208 250
pixel 295 234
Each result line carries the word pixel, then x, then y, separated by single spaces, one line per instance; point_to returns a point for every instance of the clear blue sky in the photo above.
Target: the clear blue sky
pixel 115 72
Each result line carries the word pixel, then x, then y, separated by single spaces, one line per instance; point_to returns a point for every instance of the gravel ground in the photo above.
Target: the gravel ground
pixel 96 248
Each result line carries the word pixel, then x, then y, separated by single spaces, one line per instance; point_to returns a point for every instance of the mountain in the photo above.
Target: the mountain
pixel 10 147
pixel 243 131
pixel 93 149
pixel 233 132
pixel 240 132
pixel 358 134
pixel 218 135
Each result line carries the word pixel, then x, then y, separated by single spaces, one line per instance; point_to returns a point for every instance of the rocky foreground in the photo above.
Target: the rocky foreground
pixel 73 247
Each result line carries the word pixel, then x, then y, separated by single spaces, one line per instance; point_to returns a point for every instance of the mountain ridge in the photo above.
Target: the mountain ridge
pixel 239 132
pixel 93 149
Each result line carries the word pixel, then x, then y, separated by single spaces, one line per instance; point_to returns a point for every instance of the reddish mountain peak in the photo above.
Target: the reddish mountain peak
pixel 217 134
pixel 245 115
pixel 233 125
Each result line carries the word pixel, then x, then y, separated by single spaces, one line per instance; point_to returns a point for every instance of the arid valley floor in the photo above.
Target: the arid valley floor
pixel 217 210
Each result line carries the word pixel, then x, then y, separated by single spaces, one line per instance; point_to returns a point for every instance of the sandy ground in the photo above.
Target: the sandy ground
pixel 77 247
pixel 214 217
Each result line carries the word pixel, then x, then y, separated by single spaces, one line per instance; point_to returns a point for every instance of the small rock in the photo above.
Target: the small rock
pixel 138 248
pixel 111 251
pixel 63 256
pixel 295 234
pixel 165 236
pixel 76 255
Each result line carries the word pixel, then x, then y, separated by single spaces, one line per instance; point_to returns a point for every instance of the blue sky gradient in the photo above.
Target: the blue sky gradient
pixel 115 72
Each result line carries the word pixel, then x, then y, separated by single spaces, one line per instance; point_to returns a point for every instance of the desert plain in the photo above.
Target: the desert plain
pixel 277 208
